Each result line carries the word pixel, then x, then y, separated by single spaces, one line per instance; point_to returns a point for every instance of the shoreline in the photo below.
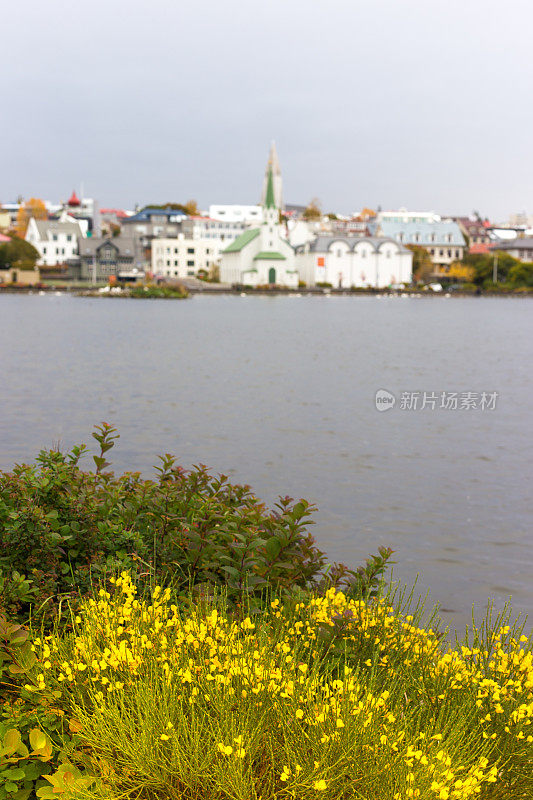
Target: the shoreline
pixel 78 291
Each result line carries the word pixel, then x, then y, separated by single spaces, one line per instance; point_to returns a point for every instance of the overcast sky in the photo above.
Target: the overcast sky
pixel 393 102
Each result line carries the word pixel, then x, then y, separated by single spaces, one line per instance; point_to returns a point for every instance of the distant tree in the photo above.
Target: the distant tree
pixel 521 274
pixel 331 215
pixel 422 263
pixel 18 253
pixel 313 210
pixel 483 265
pixel 191 208
pixel 34 207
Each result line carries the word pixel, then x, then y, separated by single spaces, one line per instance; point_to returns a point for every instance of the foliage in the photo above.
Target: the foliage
pixel 64 528
pixel 422 263
pixel 34 207
pixel 331 697
pixel 191 208
pixel 521 274
pixel 18 253
pixel 313 210
pixel 164 292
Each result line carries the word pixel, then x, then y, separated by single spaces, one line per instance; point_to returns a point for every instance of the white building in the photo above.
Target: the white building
pixel 261 256
pixel 223 233
pixel 235 213
pixel 182 257
pixel 57 242
pixel 403 215
pixel 352 261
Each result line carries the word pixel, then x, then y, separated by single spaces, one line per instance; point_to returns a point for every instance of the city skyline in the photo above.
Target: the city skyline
pixel 417 106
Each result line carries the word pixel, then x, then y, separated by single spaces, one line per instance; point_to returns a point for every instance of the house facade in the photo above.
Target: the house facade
pixel 57 242
pixel 443 239
pixel 183 257
pixel 103 258
pixel 261 256
pixel 521 247
pixel 346 262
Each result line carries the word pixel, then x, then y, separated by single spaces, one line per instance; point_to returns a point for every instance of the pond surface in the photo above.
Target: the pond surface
pixel 279 392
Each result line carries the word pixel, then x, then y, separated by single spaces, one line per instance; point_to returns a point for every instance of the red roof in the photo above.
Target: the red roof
pixel 4 238
pixel 74 200
pixel 479 248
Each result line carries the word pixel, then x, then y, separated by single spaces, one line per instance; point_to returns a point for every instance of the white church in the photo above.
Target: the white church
pixel 263 256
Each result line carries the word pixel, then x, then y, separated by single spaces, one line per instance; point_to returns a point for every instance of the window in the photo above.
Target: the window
pixel 441 252
pixel 176 272
pixel 69 237
pixel 176 262
pixel 175 251
pixel 449 253
pixel 190 250
pixel 54 237
pixel 168 262
pixel 44 251
pixel 190 263
pixel 458 254
pixel 417 237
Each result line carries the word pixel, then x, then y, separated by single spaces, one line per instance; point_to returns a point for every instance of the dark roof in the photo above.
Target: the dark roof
pixel 322 243
pixel 124 244
pixel 520 243
pixel 146 214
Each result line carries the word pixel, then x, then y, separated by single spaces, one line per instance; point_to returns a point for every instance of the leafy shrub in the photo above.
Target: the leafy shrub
pixel 331 697
pixel 64 529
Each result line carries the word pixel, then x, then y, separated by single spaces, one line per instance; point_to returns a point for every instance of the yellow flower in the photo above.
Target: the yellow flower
pixel 320 785
pixel 164 737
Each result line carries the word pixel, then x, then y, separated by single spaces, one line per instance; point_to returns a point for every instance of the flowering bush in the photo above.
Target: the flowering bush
pixel 332 697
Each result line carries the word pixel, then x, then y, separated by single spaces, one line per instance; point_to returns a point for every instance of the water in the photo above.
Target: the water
pixel 279 392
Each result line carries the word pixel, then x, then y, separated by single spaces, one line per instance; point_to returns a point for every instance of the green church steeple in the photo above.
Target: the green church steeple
pixel 269 198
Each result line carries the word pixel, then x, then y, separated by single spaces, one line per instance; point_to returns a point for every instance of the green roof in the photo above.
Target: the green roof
pixel 273 256
pixel 242 240
pixel 269 199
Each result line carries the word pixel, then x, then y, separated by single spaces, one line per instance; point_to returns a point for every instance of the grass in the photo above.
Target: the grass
pixel 330 697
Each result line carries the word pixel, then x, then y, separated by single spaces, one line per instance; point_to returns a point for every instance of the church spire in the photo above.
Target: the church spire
pixel 270 201
pixel 273 174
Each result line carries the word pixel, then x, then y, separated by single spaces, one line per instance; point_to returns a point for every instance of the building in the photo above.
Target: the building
pixel 261 256
pixel 441 238
pixel 236 214
pixel 57 242
pixel 521 248
pixel 346 262
pixel 22 277
pixel 405 216
pixel 84 209
pixel 475 230
pixel 183 257
pixel 223 233
pixel 101 258
pixel 153 222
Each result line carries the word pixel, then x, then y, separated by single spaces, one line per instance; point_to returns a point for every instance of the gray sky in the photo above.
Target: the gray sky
pixel 391 102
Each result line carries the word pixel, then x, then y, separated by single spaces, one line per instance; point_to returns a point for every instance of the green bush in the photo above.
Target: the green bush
pixel 64 529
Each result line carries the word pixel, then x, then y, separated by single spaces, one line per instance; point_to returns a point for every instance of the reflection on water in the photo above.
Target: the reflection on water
pixel 279 392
